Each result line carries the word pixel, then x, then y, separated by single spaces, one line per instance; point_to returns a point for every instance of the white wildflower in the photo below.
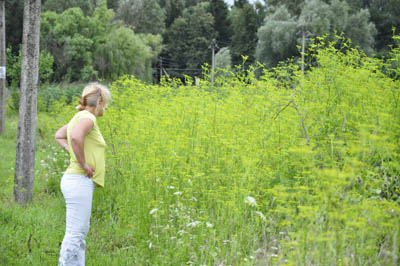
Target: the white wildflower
pixel 251 201
pixel 209 225
pixel 178 193
pixel 170 187
pixel 153 211
pixel 261 215
pixel 193 224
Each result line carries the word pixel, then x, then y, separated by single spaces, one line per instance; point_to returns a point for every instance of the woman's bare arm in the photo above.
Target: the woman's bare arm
pixel 61 137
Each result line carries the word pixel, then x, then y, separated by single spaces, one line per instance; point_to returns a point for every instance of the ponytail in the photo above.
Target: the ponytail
pixel 92 94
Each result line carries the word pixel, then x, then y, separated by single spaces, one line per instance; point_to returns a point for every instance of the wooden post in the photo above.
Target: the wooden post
pixel 2 67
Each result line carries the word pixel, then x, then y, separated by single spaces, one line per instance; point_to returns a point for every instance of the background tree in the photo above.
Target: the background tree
pixel 356 19
pixel 189 37
pixel 244 38
pixel 223 58
pixel 127 53
pixel 59 6
pixel 144 16
pixel 14 15
pixel 277 37
pixel 261 10
pixel 293 6
pixel 88 47
pixel 173 9
pixel 113 4
pixel 219 10
pixel 385 14
pixel 361 31
pixel 315 17
pixel 26 142
pixel 240 3
pixel 190 3
pixel 70 38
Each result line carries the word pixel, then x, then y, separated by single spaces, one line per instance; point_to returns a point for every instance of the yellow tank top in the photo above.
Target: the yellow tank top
pixel 94 146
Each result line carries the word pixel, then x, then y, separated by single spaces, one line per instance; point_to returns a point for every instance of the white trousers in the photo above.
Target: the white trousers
pixel 78 194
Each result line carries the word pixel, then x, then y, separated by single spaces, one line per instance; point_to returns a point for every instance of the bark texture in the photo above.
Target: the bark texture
pixel 2 64
pixel 26 142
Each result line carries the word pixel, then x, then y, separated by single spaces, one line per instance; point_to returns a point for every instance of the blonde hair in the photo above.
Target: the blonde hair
pixel 92 94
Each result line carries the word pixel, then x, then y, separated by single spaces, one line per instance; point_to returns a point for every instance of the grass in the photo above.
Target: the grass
pixel 30 235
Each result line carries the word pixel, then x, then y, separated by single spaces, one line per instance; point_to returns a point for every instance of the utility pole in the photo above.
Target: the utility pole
pixel 160 68
pixel 212 46
pixel 2 67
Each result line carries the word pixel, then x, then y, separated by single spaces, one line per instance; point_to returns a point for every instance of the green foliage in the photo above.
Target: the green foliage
pixel 292 168
pixel 143 16
pixel 361 31
pixel 173 9
pixel 67 36
pixel 14 73
pixel 244 38
pixel 384 16
pixel 51 94
pixel 90 47
pixel 59 6
pixel 13 66
pixel 276 37
pixel 189 37
pixel 394 59
pixel 223 58
pixel 14 23
pixel 127 53
pixel 317 18
pixel 219 10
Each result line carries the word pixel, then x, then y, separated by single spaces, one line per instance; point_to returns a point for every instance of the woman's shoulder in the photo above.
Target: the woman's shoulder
pixel 85 114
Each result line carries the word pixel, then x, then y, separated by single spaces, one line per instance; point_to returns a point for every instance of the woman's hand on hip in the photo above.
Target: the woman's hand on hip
pixel 88 170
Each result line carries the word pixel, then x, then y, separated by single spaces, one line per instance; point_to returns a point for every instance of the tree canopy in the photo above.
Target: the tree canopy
pixel 76 32
pixel 87 47
pixel 189 37
pixel 282 31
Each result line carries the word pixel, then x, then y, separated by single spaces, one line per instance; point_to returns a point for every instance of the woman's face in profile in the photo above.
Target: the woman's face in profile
pixel 102 108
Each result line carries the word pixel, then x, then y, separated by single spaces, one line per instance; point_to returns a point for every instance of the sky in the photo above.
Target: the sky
pixel 230 2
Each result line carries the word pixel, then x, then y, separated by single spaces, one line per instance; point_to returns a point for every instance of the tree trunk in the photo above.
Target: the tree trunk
pixel 2 66
pixel 26 142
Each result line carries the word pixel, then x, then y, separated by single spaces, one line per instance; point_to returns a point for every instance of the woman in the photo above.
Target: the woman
pixel 81 137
